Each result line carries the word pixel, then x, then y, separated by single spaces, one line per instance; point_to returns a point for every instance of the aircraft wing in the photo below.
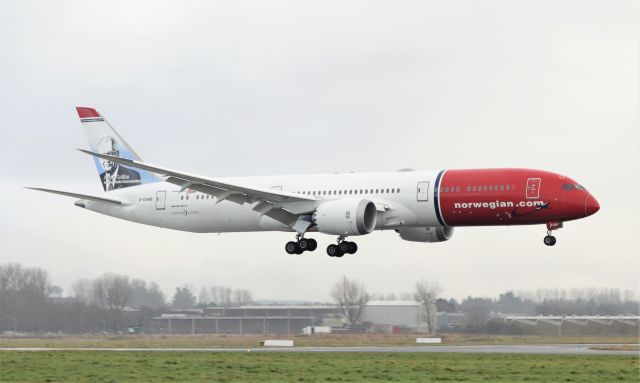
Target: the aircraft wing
pixel 272 203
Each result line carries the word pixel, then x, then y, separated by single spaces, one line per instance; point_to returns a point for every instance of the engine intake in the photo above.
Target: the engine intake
pixel 426 234
pixel 348 216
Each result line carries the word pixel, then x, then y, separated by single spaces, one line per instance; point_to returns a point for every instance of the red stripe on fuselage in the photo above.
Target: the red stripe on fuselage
pixel 477 197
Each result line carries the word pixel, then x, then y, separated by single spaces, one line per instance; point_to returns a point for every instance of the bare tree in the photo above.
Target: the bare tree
pixel 203 296
pixel 247 297
pixel 114 293
pixel 145 295
pixel 427 293
pixel 155 296
pixel 83 291
pixel 23 296
pixel 351 296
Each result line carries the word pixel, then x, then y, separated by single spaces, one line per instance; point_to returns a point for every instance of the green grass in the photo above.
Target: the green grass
pixel 104 366
pixel 332 340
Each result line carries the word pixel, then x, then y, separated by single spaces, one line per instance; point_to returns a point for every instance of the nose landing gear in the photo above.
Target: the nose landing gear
pixel 550 240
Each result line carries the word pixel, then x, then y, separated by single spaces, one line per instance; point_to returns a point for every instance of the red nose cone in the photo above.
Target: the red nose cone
pixel 591 205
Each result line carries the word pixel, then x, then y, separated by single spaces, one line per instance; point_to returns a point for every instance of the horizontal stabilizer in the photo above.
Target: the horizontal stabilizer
pixel 76 195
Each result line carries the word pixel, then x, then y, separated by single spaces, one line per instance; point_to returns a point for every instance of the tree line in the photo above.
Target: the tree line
pixel 30 302
pixel 351 295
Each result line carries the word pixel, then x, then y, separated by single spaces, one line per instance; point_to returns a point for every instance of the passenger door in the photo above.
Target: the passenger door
pixel 161 197
pixel 533 188
pixel 423 191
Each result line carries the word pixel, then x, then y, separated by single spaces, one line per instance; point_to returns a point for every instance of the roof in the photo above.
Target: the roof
pixel 392 303
pixel 275 307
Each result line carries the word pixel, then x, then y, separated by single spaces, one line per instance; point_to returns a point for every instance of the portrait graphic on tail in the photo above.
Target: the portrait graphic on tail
pixel 115 176
pixel 103 139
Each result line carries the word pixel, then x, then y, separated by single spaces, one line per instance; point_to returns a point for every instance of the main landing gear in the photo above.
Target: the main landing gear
pixel 343 247
pixel 301 245
pixel 550 240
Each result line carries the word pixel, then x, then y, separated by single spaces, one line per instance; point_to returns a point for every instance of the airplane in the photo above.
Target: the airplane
pixel 421 206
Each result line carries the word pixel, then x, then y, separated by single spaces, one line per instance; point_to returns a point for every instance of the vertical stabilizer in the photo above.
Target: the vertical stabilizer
pixel 104 139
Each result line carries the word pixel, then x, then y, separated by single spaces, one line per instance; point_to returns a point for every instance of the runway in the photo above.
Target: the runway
pixel 554 349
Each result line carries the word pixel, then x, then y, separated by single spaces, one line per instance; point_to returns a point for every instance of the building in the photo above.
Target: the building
pixel 395 316
pixel 241 320
pixel 604 325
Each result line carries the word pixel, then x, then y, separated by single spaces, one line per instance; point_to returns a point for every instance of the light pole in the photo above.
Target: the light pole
pixel 15 326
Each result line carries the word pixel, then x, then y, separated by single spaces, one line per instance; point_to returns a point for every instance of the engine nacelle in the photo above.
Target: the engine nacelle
pixel 348 216
pixel 426 234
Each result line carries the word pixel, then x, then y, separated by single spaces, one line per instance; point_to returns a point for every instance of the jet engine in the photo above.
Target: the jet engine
pixel 426 234
pixel 348 216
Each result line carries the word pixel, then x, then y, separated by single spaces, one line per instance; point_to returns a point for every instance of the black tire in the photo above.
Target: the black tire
pixel 353 247
pixel 303 244
pixel 313 244
pixel 549 240
pixel 344 247
pixel 333 250
pixel 291 247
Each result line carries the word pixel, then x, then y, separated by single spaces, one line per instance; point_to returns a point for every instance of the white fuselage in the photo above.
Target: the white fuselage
pixel 396 195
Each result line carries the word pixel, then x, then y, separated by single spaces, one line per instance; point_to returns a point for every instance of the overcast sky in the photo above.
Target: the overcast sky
pixel 282 87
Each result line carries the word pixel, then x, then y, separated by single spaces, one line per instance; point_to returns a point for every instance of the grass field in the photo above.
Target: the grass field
pixel 102 366
pixel 244 341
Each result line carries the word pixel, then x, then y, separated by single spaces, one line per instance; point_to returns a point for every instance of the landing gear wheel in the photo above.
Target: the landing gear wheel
pixel 348 247
pixel 334 251
pixel 303 244
pixel 291 247
pixel 549 240
pixel 312 244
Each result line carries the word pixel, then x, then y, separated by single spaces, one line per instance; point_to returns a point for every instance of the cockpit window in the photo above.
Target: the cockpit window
pixel 573 187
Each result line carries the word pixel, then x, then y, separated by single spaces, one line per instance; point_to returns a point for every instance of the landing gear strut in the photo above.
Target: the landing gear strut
pixel 301 245
pixel 343 247
pixel 550 240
